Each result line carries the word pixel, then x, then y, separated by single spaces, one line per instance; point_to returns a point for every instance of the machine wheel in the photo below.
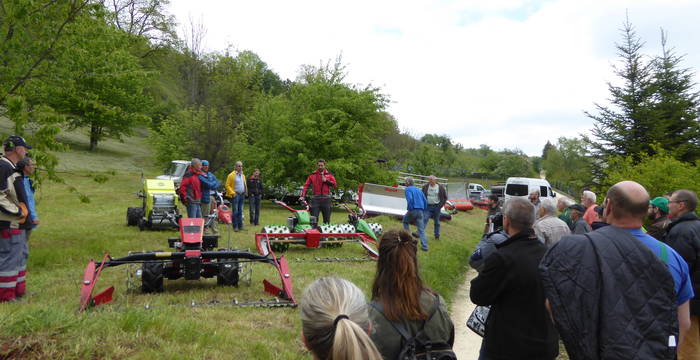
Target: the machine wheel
pixel 132 216
pixel 152 277
pixel 228 273
pixel 277 247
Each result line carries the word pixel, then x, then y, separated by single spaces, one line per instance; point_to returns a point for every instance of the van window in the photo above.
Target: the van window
pixel 517 189
pixel 543 191
pixel 479 188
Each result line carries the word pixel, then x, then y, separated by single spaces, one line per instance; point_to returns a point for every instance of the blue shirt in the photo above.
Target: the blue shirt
pixel 676 265
pixel 209 182
pixel 415 199
pixel 29 193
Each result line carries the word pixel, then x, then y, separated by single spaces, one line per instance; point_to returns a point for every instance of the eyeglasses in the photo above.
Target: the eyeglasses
pixel 676 201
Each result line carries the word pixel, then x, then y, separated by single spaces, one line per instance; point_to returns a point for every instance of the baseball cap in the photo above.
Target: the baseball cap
pixel 205 163
pixel 661 203
pixel 15 141
pixel 578 207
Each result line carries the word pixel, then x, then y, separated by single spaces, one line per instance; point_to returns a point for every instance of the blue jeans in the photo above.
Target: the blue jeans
pixel 237 210
pixel 417 215
pixel 254 209
pixel 194 210
pixel 433 212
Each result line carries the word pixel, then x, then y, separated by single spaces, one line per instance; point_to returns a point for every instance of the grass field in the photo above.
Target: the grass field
pixel 46 324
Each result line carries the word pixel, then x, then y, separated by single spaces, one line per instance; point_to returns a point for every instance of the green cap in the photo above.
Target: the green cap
pixel 661 203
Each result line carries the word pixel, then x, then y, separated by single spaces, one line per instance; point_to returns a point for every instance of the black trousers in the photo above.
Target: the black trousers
pixel 323 205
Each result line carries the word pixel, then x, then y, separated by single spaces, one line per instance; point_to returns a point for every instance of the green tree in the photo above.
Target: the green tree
pixel 628 127
pixel 320 117
pixel 659 173
pixel 568 164
pixel 513 165
pixel 100 84
pixel 676 104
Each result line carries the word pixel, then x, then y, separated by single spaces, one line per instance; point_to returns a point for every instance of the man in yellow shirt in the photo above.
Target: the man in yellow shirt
pixel 236 190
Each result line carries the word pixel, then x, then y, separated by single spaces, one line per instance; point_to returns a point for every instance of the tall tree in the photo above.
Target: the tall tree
pixel 628 127
pixel 676 104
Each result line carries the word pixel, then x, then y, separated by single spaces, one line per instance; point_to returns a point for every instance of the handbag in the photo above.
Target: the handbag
pixel 477 320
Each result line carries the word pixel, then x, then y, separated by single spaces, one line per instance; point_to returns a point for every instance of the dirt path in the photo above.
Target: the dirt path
pixel 467 343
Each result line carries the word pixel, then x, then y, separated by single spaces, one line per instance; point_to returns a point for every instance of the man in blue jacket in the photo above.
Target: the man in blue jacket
pixel 209 184
pixel 416 204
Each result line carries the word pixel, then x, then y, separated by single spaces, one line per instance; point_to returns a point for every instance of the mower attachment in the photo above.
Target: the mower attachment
pixel 194 257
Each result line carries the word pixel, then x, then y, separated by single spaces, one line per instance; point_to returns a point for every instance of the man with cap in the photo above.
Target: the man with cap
pixel 658 214
pixel 209 184
pixel 578 224
pixel 13 211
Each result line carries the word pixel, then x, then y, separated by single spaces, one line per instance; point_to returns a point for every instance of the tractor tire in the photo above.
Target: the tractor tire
pixel 152 277
pixel 277 247
pixel 132 216
pixel 228 273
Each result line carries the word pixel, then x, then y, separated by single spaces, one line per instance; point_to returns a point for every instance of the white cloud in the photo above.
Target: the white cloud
pixel 457 66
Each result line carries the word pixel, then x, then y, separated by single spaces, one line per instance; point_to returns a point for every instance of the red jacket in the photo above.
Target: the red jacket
pixel 190 187
pixel 320 187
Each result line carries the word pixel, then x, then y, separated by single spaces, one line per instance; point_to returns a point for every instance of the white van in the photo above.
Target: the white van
pixel 522 187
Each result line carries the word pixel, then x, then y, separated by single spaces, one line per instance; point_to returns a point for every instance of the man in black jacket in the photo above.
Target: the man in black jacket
pixel 255 192
pixel 437 197
pixel 518 326
pixel 617 293
pixel 684 237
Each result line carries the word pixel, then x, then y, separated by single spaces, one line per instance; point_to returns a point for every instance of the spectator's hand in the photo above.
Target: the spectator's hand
pixel 35 221
pixel 301 198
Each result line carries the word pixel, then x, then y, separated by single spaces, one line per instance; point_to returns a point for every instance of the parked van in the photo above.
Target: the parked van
pixel 522 187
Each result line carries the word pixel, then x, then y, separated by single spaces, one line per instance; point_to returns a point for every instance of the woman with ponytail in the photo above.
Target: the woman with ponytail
pixel 335 323
pixel 399 293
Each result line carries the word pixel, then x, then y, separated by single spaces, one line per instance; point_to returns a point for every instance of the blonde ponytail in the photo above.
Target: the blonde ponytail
pixel 335 321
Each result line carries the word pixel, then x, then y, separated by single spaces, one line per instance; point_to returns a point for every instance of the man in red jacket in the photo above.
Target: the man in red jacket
pixel 191 189
pixel 322 181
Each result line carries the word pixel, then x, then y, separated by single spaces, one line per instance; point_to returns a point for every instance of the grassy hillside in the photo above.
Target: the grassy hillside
pixel 46 325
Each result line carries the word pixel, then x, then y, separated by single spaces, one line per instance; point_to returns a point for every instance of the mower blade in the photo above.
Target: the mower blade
pixel 104 297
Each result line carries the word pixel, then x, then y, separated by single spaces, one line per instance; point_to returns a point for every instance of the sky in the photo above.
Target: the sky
pixel 511 74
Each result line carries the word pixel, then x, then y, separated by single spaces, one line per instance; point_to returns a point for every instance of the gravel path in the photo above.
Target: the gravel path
pixel 467 343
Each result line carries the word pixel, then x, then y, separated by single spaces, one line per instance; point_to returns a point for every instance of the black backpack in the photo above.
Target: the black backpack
pixel 419 346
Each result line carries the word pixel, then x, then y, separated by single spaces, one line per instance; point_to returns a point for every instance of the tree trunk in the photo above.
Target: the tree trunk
pixel 95 134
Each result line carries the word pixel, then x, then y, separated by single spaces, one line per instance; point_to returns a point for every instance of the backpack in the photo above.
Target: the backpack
pixel 419 346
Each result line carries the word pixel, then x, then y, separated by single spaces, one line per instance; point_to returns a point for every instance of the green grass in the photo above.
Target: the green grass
pixel 46 324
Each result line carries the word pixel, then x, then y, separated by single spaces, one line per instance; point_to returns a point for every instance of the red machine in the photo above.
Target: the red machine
pixel 195 257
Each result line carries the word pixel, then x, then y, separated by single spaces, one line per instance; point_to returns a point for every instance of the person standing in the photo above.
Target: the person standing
pixel 563 208
pixel 416 204
pixel 534 198
pixel 494 208
pixel 321 181
pixel 255 193
pixel 401 300
pixel 578 224
pixel 658 214
pixel 518 325
pixel 618 293
pixel 437 197
pixel 209 185
pixel 548 227
pixel 191 189
pixel 684 237
pixel 12 212
pixel 588 199
pixel 237 190
pixel 27 167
